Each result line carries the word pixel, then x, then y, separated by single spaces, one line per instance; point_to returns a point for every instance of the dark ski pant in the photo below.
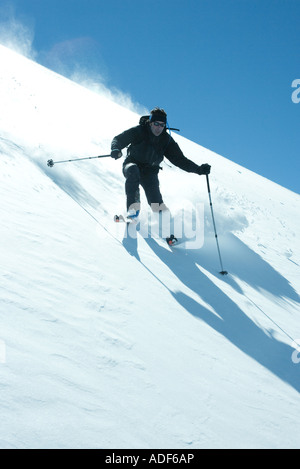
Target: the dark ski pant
pixel 148 179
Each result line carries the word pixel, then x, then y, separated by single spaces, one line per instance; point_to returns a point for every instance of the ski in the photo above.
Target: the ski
pixel 124 219
pixel 171 241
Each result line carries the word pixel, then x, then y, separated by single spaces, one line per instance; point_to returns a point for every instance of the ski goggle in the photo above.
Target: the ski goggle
pixel 159 124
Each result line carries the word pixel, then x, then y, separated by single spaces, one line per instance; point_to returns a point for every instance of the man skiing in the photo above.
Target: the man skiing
pixel 148 143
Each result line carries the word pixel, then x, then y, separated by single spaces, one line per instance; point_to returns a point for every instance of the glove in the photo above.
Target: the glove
pixel 116 154
pixel 204 169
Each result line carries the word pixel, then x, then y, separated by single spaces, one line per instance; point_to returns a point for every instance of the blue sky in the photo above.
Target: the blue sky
pixel 222 69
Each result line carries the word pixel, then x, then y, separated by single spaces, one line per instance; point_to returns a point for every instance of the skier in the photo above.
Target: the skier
pixel 148 143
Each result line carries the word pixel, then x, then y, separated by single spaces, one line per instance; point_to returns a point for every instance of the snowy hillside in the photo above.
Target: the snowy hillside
pixel 113 342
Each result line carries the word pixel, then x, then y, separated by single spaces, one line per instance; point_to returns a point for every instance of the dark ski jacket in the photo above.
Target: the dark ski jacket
pixel 148 151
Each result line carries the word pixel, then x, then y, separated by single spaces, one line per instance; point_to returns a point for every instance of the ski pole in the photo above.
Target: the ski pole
pixel 51 163
pixel 223 272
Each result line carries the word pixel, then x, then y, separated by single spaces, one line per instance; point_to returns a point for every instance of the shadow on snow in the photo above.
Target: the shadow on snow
pixel 232 322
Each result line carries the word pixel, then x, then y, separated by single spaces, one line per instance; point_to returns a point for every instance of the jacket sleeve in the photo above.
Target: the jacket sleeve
pixel 125 138
pixel 175 156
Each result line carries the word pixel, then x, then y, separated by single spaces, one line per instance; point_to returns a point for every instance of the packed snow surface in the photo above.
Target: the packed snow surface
pixel 115 341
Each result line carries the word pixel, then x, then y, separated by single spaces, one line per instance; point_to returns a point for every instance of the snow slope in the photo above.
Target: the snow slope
pixel 115 342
